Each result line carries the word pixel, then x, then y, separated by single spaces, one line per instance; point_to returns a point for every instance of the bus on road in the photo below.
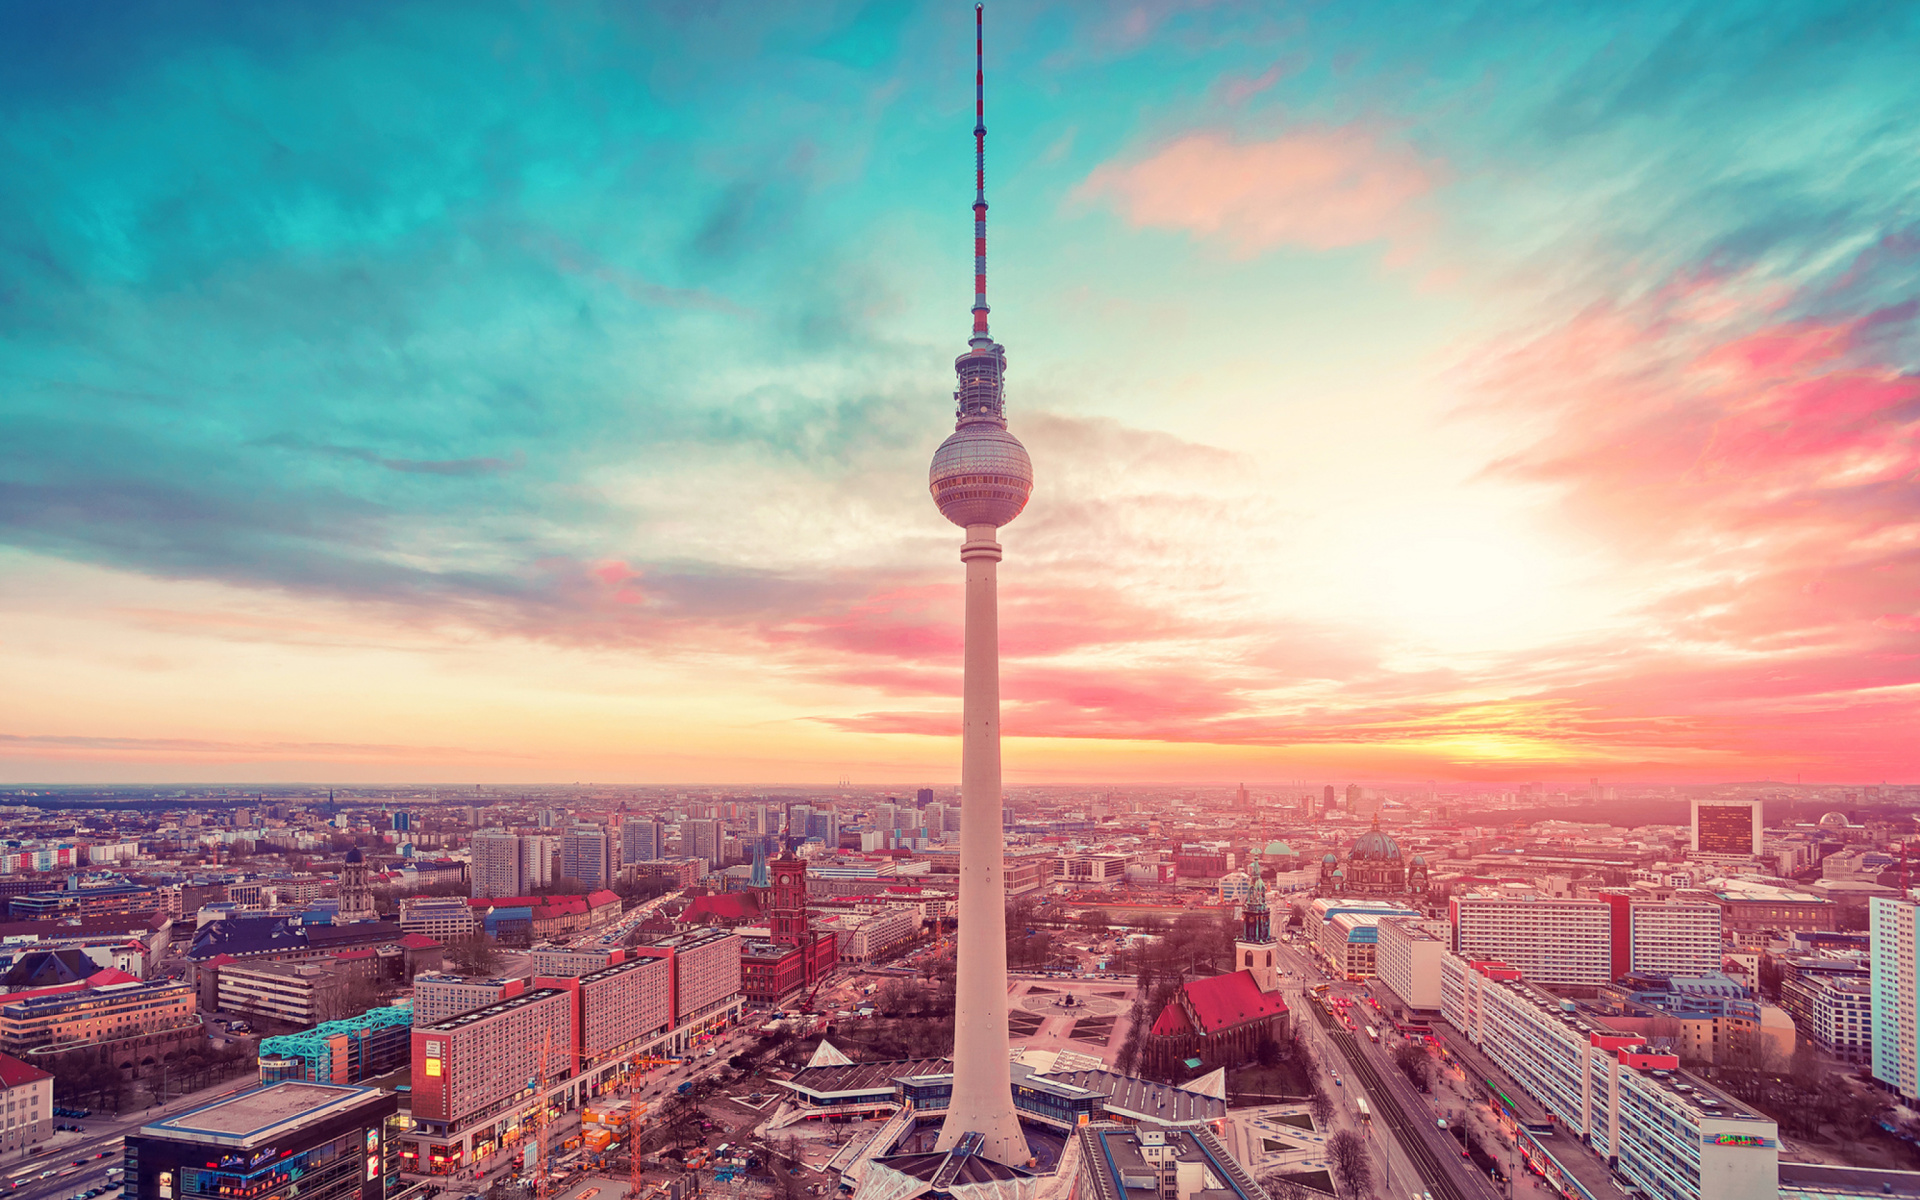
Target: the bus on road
pixel 1364 1114
pixel 1373 1035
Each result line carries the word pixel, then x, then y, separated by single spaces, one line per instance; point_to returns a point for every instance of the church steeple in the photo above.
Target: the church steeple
pixel 1256 923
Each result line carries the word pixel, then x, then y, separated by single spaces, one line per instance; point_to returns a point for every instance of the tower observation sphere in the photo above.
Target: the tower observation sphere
pixel 981 475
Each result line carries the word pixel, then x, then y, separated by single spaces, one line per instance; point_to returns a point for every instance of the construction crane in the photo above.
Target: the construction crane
pixel 544 1118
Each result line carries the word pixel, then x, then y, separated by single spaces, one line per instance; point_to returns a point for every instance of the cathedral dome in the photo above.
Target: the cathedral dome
pixel 354 855
pixel 1330 858
pixel 1374 846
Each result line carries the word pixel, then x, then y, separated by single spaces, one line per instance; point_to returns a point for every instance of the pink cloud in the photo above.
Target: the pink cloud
pixel 1322 188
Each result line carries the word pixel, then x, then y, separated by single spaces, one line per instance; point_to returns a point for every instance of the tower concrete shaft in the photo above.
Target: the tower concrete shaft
pixel 982 1086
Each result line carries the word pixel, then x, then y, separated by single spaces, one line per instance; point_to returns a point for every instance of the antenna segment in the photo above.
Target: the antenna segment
pixel 980 310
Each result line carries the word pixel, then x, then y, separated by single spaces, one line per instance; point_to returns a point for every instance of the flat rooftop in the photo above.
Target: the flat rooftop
pixel 261 1113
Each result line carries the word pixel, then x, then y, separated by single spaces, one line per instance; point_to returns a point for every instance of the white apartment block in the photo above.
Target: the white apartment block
pixel 437 996
pixel 1407 958
pixel 865 937
pixel 300 993
pixel 1088 867
pixel 1895 930
pixel 1676 937
pixel 499 864
pixel 1843 1018
pixel 442 918
pixel 1665 1131
pixel 1548 940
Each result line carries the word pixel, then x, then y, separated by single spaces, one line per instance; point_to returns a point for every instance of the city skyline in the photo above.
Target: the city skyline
pixel 468 394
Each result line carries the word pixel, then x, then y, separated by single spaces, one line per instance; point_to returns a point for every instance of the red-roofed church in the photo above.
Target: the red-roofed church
pixel 1222 1021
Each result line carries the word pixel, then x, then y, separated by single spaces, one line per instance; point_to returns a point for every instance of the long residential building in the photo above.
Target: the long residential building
pixel 1662 1129
pixel 583 1034
pixel 120 1017
pixel 438 995
pixel 442 918
pixel 1551 940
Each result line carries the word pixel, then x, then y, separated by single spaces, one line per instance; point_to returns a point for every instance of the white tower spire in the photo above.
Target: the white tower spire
pixel 981 478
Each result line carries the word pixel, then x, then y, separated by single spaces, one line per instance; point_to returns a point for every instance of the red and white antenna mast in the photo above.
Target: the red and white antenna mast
pixel 980 310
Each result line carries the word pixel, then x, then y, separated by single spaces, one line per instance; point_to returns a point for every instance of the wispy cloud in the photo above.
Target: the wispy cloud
pixel 1319 188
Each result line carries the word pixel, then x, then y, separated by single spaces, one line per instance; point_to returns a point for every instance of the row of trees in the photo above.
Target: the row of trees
pixel 93 1079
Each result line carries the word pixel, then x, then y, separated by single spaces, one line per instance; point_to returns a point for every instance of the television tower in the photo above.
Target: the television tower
pixel 980 478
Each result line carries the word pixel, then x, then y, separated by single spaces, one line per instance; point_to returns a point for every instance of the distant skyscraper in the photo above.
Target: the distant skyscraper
pixel 1353 797
pixel 540 859
pixel 497 866
pixel 981 478
pixel 1242 798
pixel 923 797
pixel 1730 828
pixel 584 856
pixel 402 821
pixel 642 839
pixel 703 838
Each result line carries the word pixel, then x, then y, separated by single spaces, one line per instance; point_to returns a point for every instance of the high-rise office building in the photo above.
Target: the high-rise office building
pixel 1326 799
pixel 824 824
pixel 1728 828
pixel 703 839
pixel 540 854
pixel 981 477
pixel 584 856
pixel 923 797
pixel 1354 793
pixel 642 839
pixel 498 868
pixel 1894 926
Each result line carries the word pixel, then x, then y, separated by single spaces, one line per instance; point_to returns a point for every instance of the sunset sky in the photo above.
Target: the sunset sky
pixel 544 392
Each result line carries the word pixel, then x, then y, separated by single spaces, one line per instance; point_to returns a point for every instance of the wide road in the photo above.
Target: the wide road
pixel 106 1134
pixel 1398 1108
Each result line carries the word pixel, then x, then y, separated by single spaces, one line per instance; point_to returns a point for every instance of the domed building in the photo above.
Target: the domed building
pixel 1374 867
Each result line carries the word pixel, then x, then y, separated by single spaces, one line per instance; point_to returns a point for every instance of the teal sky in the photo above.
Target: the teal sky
pixel 545 391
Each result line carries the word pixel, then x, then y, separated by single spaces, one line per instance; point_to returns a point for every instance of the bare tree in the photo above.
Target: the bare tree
pixel 1320 1106
pixel 1415 1063
pixel 1348 1161
pixel 476 954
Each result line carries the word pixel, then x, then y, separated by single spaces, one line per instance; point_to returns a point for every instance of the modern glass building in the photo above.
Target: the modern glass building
pixel 330 1142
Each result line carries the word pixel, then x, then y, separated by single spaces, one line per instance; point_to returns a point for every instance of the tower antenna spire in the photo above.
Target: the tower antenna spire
pixel 980 335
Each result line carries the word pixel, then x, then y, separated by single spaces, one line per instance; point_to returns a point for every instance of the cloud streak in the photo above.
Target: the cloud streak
pixel 1316 188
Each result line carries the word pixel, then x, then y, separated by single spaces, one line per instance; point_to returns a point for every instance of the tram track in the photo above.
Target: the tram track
pixel 1434 1174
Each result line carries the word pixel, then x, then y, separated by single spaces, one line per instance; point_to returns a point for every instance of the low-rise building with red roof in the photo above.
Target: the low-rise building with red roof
pixel 1214 1022
pixel 27 1092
